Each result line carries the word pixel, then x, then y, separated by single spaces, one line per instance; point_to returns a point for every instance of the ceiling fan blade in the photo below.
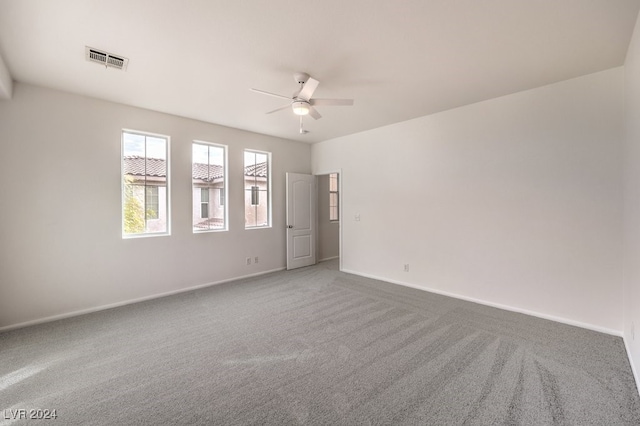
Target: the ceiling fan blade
pixel 308 89
pixel 271 94
pixel 336 102
pixel 314 113
pixel 279 109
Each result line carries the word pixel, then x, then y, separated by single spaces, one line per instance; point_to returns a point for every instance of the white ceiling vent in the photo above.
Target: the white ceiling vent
pixel 105 58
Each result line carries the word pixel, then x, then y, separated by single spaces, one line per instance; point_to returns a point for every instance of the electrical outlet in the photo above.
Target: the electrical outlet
pixel 357 217
pixel 255 259
pixel 248 261
pixel 406 267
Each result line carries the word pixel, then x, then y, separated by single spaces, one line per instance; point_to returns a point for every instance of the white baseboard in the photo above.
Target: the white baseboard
pixel 329 258
pixel 633 367
pixel 128 302
pixel 495 305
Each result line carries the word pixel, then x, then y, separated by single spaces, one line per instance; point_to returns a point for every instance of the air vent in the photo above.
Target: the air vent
pixel 105 58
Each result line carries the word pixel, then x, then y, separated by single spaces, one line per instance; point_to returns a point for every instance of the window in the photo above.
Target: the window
pixel 209 164
pixel 145 196
pixel 334 215
pixel 257 189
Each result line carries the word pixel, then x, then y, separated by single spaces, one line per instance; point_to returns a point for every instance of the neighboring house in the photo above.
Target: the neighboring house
pixel 208 199
pixel 208 196
pixel 145 193
pixel 256 210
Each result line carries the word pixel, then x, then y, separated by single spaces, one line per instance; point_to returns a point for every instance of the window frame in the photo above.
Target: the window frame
pixel 337 198
pixel 223 193
pixel 268 188
pixel 167 139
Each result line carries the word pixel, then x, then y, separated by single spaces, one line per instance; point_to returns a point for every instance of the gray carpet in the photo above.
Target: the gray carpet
pixel 315 346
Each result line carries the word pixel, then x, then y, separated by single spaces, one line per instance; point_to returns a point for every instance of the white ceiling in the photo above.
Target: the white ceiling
pixel 397 59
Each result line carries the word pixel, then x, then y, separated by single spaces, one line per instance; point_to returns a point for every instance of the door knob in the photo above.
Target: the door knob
pixel 290 226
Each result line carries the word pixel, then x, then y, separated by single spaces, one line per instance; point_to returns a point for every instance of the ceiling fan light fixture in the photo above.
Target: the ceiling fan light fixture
pixel 300 107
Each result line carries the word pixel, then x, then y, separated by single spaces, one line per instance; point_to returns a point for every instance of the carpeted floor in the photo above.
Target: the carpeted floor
pixel 315 346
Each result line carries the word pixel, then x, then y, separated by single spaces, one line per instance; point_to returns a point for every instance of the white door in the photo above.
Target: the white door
pixel 301 220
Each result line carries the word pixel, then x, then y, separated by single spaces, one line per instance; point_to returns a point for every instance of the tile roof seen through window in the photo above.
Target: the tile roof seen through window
pixel 207 173
pixel 135 165
pixel 259 170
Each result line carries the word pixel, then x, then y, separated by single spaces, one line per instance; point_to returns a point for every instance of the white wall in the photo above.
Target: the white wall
pixel 632 201
pixel 61 248
pixel 516 201
pixel 328 231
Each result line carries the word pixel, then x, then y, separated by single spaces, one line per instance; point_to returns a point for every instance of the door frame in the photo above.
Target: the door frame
pixel 340 209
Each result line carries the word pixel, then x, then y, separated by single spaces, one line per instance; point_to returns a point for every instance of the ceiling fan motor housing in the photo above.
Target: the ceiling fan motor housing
pixel 301 77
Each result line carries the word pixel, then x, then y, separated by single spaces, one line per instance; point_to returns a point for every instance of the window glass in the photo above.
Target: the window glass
pixel 145 196
pixel 208 181
pixel 151 202
pixel 257 187
pixel 333 198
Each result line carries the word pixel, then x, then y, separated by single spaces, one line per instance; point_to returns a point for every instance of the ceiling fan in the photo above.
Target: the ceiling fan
pixel 301 102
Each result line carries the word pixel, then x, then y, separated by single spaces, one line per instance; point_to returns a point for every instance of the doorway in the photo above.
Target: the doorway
pixel 328 216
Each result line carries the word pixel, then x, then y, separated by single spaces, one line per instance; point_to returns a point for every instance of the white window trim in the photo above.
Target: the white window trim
pixel 226 187
pixel 168 162
pixel 269 190
pixel 337 191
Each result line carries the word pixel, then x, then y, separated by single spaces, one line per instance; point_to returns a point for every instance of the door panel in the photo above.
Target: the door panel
pixel 301 246
pixel 302 205
pixel 301 220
